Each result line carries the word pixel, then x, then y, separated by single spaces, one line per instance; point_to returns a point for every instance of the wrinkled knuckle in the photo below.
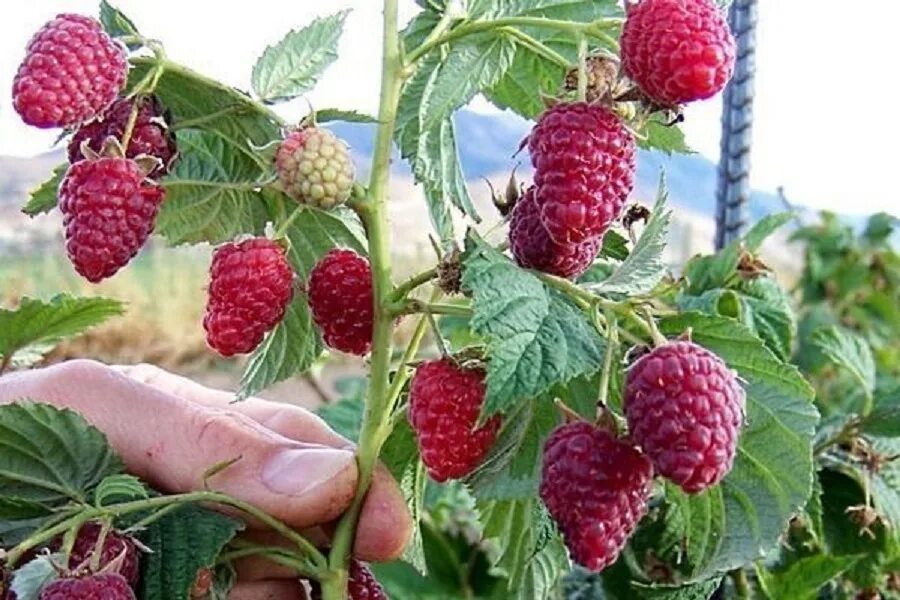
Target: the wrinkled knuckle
pixel 144 373
pixel 222 431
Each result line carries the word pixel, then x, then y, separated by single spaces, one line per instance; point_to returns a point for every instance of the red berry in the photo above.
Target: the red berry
pixel 533 248
pixel 596 489
pixel 109 586
pixel 250 287
pixel 362 584
pixel 109 210
pixel 677 51
pixel 114 546
pixel 685 408
pixel 150 135
pixel 445 401
pixel 584 165
pixel 340 299
pixel 72 71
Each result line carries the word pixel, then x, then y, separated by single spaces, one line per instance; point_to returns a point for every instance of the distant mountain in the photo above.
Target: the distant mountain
pixel 487 144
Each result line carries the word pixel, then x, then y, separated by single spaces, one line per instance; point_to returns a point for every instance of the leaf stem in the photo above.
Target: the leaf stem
pixel 582 67
pixel 376 419
pixel 612 341
pixel 537 46
pixel 403 371
pixel 286 224
pixel 403 290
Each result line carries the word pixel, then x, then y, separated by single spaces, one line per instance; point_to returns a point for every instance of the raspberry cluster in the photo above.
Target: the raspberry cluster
pixel 445 401
pixel 584 166
pixel 339 293
pixel 250 287
pixel 677 51
pixel 685 408
pixel 595 487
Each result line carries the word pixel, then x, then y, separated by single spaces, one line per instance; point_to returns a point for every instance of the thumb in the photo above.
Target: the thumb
pixel 172 443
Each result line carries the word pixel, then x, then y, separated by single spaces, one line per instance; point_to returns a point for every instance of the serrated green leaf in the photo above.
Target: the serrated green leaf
pixel 116 23
pixel 348 116
pixel 401 456
pixel 615 246
pixel 33 576
pixel 182 543
pixel 344 416
pixel 35 327
pixel 530 556
pixel 665 137
pixel 293 65
pixel 884 420
pixel 768 312
pixel 119 488
pixel 764 228
pixel 697 591
pixel 51 456
pixel 644 268
pixel 213 195
pixel 537 337
pixel 294 345
pixel 803 579
pixel 849 351
pixel 43 198
pixel 741 518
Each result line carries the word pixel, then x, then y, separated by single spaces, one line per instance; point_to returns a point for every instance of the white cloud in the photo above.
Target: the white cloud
pixel 824 128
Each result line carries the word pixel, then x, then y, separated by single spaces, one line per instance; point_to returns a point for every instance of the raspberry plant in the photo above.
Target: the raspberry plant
pixel 594 427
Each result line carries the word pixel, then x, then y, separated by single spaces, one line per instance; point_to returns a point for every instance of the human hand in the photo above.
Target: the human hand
pixel 169 431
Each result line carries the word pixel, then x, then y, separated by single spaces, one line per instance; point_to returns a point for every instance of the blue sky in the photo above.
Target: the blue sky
pixel 824 127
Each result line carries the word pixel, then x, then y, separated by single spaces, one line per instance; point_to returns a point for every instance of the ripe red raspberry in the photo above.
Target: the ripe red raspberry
pixel 315 167
pixel 362 584
pixel 596 489
pixel 250 287
pixel 114 546
pixel 108 586
pixel 109 209
pixel 685 408
pixel 150 135
pixel 677 51
pixel 72 71
pixel 584 165
pixel 445 401
pixel 339 293
pixel 533 248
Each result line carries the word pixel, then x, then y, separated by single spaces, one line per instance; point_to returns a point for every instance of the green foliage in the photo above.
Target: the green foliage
pixel 181 543
pixel 803 579
pixel 43 198
pixel 119 488
pixel 537 337
pixel 32 329
pixel 293 66
pixel 849 351
pixel 116 23
pixel 34 575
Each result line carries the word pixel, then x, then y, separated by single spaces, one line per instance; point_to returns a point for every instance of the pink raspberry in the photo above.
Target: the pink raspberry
pixel 677 51
pixel 584 166
pixel 685 408
pixel 361 586
pixel 72 71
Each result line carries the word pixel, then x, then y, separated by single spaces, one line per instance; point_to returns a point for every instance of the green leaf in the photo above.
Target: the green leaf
pixel 401 456
pixel 213 195
pixel 696 591
pixel 43 198
pixel 803 579
pixel 348 116
pixel 51 456
pixel 530 554
pixel 658 135
pixel 537 337
pixel 182 543
pixel 768 312
pixel 116 23
pixel 849 351
pixel 33 576
pixel 764 228
pixel 884 420
pixel 119 488
pixel 293 65
pixel 402 581
pixel 294 345
pixel 738 520
pixel 35 327
pixel 644 268
pixel 224 580
pixel 615 246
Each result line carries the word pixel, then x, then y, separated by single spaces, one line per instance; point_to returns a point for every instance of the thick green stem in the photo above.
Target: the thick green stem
pixel 376 420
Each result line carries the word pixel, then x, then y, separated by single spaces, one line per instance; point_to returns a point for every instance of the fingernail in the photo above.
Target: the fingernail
pixel 296 472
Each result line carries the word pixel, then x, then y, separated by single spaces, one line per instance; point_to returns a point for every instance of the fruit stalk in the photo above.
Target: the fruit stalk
pixel 376 420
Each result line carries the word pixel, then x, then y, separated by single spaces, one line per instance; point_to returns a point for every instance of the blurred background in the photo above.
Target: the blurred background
pixel 819 143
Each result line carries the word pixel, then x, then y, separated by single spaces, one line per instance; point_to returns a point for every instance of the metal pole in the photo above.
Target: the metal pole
pixel 737 125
